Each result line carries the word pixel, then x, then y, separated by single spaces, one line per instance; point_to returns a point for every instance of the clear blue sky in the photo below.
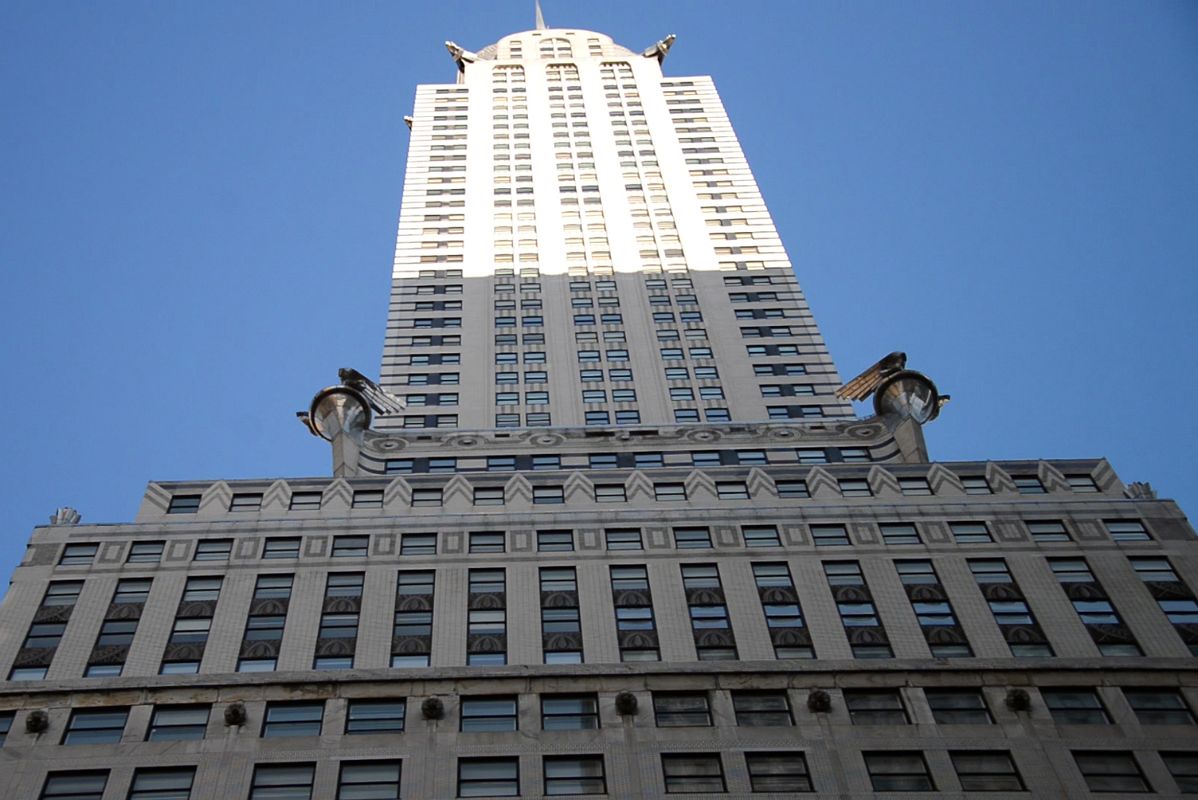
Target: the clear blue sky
pixel 198 207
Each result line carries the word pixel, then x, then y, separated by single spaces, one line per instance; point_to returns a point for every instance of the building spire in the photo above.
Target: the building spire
pixel 540 16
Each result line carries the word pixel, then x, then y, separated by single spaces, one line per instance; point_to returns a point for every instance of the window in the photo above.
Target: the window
pixel 95 726
pixel 488 496
pixel 778 772
pixel 1127 530
pixel 1028 484
pixel 760 536
pixel 688 773
pixel 681 709
pixel 246 501
pixel 875 706
pixel 855 488
pixel 145 553
pixel 555 541
pixel 488 777
pixel 368 779
pixel 350 546
pixel 1048 531
pixel 368 498
pixel 292 719
pixel 281 547
pixel 762 709
pixel 213 550
pixel 487 542
pixel 1075 706
pixel 692 538
pixel 6 718
pixel 858 615
pixel 548 495
pixel 732 490
pixel 282 782
pixel 896 533
pixel 78 554
pixel 1159 706
pixel 426 497
pixel 970 532
pixel 975 484
pixel 623 539
pixel 1111 771
pixel 567 775
pixel 610 493
pixel 418 544
pixel 1184 769
pixel 1082 484
pixel 184 504
pixel 958 706
pixel 986 771
pixel 915 487
pixel 829 535
pixel 177 723
pixel 75 785
pixel 569 712
pixel 170 783
pixel 669 492
pixel 375 716
pixel 686 415
pixel 898 771
pixel 792 489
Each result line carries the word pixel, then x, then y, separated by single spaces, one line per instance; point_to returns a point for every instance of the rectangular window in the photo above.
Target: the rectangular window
pixel 75 785
pixel 178 723
pixel 569 712
pixel 350 546
pixel 898 771
pixel 1011 611
pixel 783 615
pixel 1052 530
pixel 282 782
pixel 74 554
pixel 898 533
pixel 691 773
pixel 681 709
pixel 636 630
pixel 830 535
pixel 548 495
pixel 623 538
pixel 792 489
pixel 338 634
pixel 145 553
pixel 488 777
pixel 96 725
pixel 610 493
pixel 488 713
pixel 246 501
pixel 1127 530
pixel 1111 635
pixel 570 775
pixel 915 487
pixel 669 492
pixel 488 496
pixel 375 716
pixel 692 538
pixel 758 709
pixel 487 542
pixel 418 544
pixel 1082 484
pixel 1075 706
pixel 426 497
pixel 760 536
pixel 1028 484
pixel 213 550
pixel 164 783
pixel 958 706
pixel 778 772
pixel 714 640
pixel 412 634
pixel 970 532
pixel 292 719
pixel 1159 706
pixel 363 780
pixel 875 707
pixel 732 490
pixel 555 541
pixel 184 504
pixel 368 498
pixel 281 547
pixel 1111 771
pixel 933 610
pixel 1184 769
pixel 855 488
pixel 975 484
pixel 986 771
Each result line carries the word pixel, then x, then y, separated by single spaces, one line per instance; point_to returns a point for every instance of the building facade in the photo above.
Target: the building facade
pixel 622 539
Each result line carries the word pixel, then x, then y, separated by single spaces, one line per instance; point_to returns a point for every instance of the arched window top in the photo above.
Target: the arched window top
pixel 556 47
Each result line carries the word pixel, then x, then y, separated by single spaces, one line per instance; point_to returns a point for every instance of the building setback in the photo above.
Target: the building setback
pixel 605 526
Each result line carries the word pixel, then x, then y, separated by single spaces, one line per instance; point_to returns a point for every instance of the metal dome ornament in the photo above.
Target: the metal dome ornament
pixel 898 392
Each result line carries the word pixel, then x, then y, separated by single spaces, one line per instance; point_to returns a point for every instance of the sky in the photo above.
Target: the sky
pixel 198 205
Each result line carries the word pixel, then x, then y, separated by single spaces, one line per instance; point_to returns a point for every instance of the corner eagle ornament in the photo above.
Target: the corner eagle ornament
pixel 371 396
pixel 897 390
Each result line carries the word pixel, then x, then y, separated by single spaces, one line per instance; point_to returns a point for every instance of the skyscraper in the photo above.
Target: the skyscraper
pixel 605 526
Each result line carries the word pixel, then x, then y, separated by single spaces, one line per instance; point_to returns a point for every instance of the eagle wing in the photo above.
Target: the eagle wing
pixel 868 382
